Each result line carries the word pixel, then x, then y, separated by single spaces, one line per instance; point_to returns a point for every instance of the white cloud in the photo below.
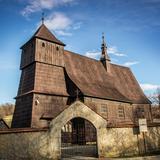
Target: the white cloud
pixel 69 47
pixel 148 87
pixel 63 33
pixel 110 50
pixel 113 50
pixel 92 54
pixel 128 64
pixel 114 60
pixel 58 21
pixel 61 24
pixel 38 5
pixel 77 25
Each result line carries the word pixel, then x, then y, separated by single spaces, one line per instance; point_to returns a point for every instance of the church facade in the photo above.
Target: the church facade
pixel 79 95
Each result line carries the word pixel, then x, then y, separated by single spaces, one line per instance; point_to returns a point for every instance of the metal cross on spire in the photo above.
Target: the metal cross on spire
pixel 103 47
pixel 103 37
pixel 103 40
pixel 42 18
pixel 104 54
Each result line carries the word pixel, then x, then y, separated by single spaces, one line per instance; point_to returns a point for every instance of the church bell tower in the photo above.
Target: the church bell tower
pixel 42 76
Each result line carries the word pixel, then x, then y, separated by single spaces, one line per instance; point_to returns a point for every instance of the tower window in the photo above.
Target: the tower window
pixel 57 48
pixel 43 44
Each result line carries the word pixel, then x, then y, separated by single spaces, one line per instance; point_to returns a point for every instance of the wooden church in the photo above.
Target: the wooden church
pixel 52 79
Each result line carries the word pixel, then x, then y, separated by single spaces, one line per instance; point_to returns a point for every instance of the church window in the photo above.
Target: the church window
pixel 43 44
pixel 57 48
pixel 104 110
pixel 140 112
pixel 121 112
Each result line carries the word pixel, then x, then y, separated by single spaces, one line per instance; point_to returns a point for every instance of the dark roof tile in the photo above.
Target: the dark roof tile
pixel 44 33
pixel 92 79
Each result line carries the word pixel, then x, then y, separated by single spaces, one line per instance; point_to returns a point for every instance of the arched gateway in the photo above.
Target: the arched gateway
pixel 77 116
pixel 78 138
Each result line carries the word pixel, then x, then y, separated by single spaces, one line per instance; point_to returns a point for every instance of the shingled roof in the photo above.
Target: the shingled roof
pixel 90 76
pixel 92 79
pixel 44 33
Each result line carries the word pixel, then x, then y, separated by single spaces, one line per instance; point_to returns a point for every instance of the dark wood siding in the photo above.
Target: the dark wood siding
pixel 23 112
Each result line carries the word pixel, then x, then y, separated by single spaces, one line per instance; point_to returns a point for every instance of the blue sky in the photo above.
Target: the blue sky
pixel 131 27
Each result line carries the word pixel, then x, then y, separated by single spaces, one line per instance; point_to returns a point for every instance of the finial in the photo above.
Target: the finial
pixel 104 56
pixel 103 44
pixel 104 48
pixel 103 40
pixel 42 18
pixel 103 36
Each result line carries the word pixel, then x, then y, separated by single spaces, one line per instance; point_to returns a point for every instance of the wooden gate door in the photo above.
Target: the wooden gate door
pixel 79 139
pixel 78 131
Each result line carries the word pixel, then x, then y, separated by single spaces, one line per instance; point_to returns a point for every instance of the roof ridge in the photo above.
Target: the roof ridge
pixel 95 59
pixel 120 65
pixel 81 55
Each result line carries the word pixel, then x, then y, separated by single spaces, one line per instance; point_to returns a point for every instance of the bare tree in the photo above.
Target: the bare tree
pixel 155 98
pixel 6 109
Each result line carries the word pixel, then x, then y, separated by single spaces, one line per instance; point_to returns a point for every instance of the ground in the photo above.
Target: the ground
pixel 157 157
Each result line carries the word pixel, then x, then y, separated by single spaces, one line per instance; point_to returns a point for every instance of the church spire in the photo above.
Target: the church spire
pixel 104 49
pixel 104 55
pixel 103 45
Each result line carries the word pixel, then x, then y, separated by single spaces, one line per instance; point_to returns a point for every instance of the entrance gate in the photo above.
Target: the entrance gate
pixel 78 138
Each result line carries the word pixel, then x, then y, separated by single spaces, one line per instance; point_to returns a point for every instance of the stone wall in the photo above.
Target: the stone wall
pixel 34 144
pixel 46 144
pixel 23 144
pixel 121 142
